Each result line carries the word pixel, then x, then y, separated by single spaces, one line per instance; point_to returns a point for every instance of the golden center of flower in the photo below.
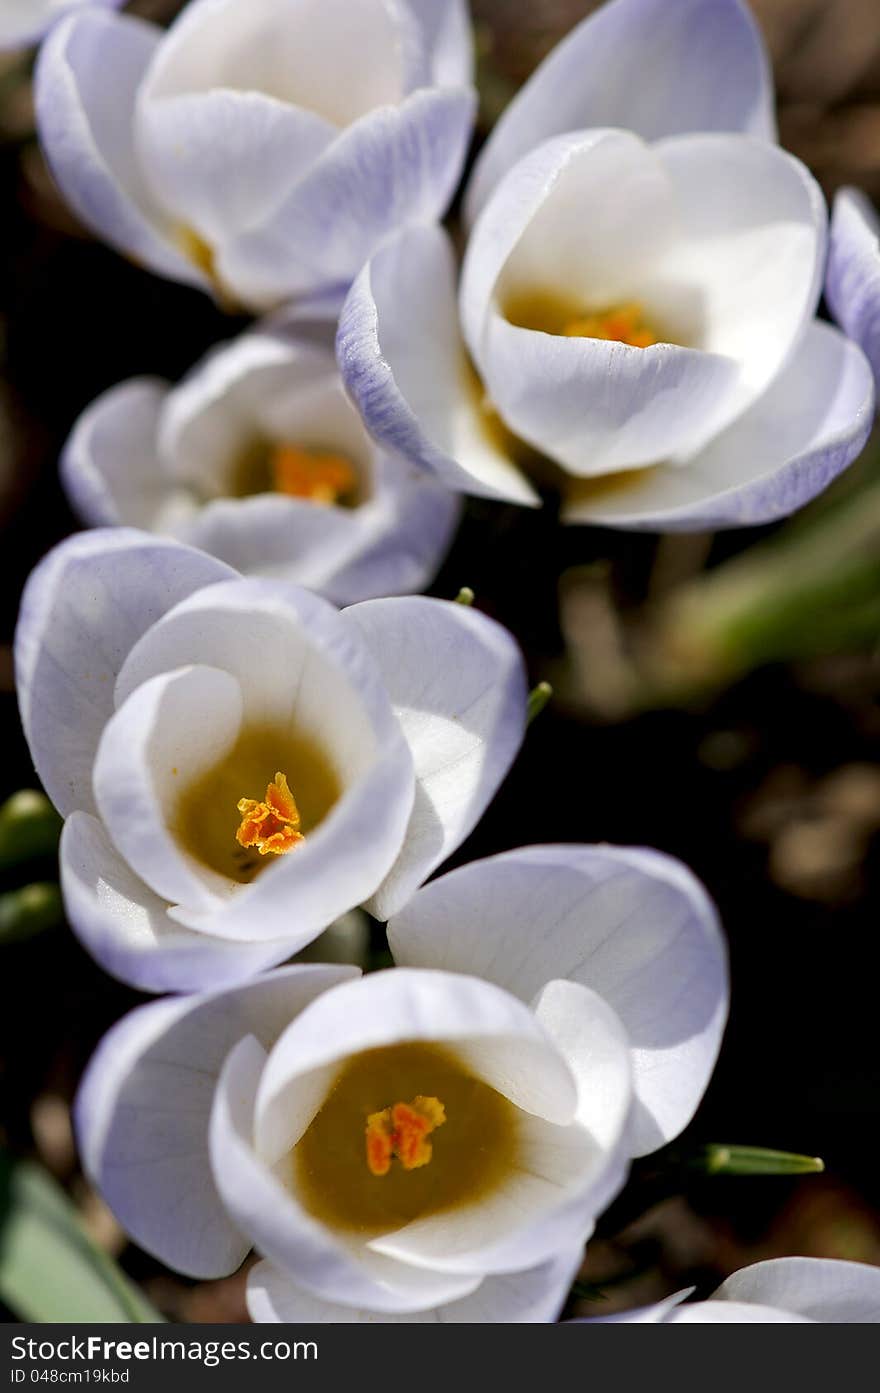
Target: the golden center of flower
pixel 402 1131
pixel 273 825
pixel 625 323
pixel 317 475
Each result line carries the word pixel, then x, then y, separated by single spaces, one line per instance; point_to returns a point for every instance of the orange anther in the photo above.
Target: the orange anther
pixel 312 474
pixel 402 1131
pixel 271 826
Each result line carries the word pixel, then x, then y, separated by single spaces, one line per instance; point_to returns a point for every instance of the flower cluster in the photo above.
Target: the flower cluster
pixel 251 721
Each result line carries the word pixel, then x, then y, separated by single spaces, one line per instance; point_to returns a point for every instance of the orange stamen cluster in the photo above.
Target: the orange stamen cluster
pixel 402 1131
pixel 623 324
pixel 311 474
pixel 271 826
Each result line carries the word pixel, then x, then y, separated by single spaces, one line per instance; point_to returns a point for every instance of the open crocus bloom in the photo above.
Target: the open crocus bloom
pixel 24 22
pixel 637 305
pixel 260 151
pixel 425 1143
pixel 780 1291
pixel 259 458
pixel 852 286
pixel 187 722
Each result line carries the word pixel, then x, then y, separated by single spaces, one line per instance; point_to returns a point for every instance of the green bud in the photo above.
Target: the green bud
pixel 717 1159
pixel 29 828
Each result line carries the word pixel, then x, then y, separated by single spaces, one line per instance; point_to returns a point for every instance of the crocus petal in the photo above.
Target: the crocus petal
pixel 320 55
pixel 457 684
pixel 520 1298
pixel 403 361
pixel 642 65
pixel 638 1315
pixel 127 929
pixel 109 465
pixel 634 926
pixel 86 83
pixel 446 25
pixel 24 22
pixel 83 608
pixel 298 664
pixel 221 159
pixel 815 1288
pixel 394 167
pixel 264 1209
pixel 852 286
pixel 144 1105
pixel 165 735
pixel 811 423
pixel 731 1313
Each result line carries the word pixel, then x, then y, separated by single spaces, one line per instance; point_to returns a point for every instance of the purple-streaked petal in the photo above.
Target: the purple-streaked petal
pixel 647 66
pixel 83 608
pixel 852 286
pixel 811 423
pixel 457 684
pixel 403 362
pixel 394 167
pixel 143 1110
pixel 87 78
pixel 634 926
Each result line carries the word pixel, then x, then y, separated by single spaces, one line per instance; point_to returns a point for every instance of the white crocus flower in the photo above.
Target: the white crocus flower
pixel 24 22
pixel 238 762
pixel 261 151
pixel 432 1142
pixel 638 304
pixel 779 1291
pixel 852 285
pixel 259 458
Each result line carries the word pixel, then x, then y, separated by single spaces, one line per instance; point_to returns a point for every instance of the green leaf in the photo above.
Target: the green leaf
pixel 50 1270
pixel 718 1159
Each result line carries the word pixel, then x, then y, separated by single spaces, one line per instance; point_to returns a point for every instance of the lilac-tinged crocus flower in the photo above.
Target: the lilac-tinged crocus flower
pixel 635 324
pixel 259 458
pixel 263 150
pixel 852 286
pixel 433 1142
pixel 237 761
pixel 779 1291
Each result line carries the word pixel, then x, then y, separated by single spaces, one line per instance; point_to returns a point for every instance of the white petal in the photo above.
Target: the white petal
pixel 819 1289
pixel 221 160
pixel 324 56
pixel 280 1228
pixel 395 167
pixel 144 1104
pixel 638 1315
pixel 754 227
pixel 169 732
pixel 644 65
pixel 634 926
pixel 852 285
pixel 731 1313
pixel 86 83
pixel 516 1298
pixel 110 467
pixel 446 25
pixel 83 608
pixel 811 423
pixel 403 361
pixel 457 684
pixel 299 665
pixel 126 927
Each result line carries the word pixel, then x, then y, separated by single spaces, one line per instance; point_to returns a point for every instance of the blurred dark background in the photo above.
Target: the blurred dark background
pixel 767 786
